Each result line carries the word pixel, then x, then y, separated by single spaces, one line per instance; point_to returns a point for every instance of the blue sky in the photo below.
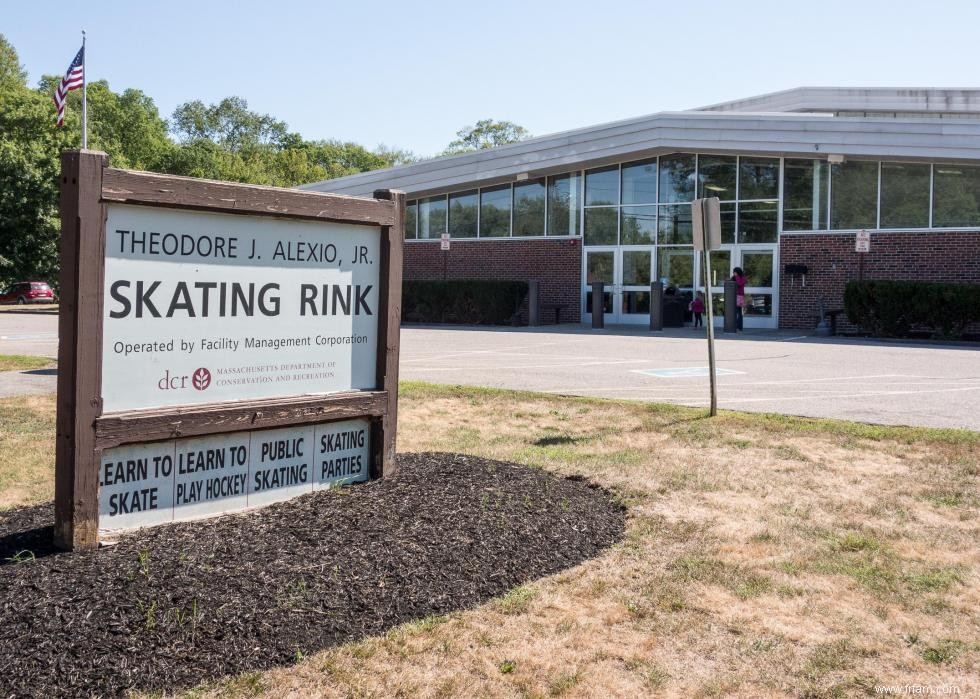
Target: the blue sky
pixel 411 74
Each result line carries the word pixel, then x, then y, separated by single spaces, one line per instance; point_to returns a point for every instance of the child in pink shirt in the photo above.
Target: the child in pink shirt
pixel 697 308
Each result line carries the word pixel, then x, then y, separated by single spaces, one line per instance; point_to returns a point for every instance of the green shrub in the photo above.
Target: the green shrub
pixel 465 301
pixel 896 308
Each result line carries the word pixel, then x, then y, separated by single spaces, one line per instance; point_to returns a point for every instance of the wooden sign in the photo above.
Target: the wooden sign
pixel 222 346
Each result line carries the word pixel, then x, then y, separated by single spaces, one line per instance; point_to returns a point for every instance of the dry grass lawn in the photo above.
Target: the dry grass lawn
pixel 21 362
pixel 764 556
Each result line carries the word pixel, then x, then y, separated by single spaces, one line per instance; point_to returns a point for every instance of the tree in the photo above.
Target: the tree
pixel 229 123
pixel 486 134
pixel 30 147
pixel 12 73
pixel 224 141
pixel 393 156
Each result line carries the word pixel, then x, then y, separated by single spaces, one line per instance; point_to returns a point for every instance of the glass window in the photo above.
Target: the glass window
pixel 529 207
pixel 757 304
pixel 675 267
pixel 721 266
pixel 411 219
pixel 602 186
pixel 432 217
pixel 640 182
pixel 675 225
pixel 716 176
pixel 904 195
pixel 757 222
pixel 462 214
pixel 758 178
pixel 956 201
pixel 564 202
pixel 676 178
pixel 636 302
pixel 854 195
pixel 636 268
pixel 600 225
pixel 599 267
pixel 728 223
pixel 638 225
pixel 758 268
pixel 805 195
pixel 495 211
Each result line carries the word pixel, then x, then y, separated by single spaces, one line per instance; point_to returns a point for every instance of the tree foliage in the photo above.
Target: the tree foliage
pixel 487 133
pixel 224 141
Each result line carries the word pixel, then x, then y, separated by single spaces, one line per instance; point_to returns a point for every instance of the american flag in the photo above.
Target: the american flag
pixel 74 79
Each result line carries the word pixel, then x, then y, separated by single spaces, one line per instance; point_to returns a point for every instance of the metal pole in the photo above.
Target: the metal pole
pixel 711 331
pixel 84 95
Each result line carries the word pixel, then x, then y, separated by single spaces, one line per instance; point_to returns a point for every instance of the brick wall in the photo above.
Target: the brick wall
pixel 556 264
pixel 949 256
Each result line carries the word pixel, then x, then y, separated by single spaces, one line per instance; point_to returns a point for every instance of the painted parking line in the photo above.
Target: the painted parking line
pixel 684 372
pixel 35 336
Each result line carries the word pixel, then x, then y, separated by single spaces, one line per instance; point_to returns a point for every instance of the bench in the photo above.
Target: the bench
pixel 556 307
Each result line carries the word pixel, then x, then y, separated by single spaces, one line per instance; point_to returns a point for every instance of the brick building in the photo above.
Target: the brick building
pixel 799 174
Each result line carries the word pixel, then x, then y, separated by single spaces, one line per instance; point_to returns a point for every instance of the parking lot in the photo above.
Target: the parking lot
pixel 898 383
pixel 870 381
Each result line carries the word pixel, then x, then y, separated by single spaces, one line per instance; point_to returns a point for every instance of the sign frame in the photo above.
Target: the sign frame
pixel 84 430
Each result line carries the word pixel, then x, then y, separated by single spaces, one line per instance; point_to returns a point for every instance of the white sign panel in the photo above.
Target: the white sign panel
pixel 444 241
pixel 205 307
pixel 146 484
pixel 862 242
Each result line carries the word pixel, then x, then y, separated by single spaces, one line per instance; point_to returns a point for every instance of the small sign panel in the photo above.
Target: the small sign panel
pixel 341 453
pixel 444 241
pixel 146 484
pixel 862 242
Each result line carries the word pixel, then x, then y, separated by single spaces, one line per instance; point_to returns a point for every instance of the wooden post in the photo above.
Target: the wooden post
pixel 389 328
pixel 83 215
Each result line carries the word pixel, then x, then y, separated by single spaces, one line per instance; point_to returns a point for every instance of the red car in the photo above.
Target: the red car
pixel 28 292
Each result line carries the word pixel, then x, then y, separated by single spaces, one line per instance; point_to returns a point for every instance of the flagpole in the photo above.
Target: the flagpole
pixel 84 95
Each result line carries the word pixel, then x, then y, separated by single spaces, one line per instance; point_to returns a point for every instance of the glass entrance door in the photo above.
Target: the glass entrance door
pixel 759 265
pixel 635 267
pixel 600 266
pixel 627 275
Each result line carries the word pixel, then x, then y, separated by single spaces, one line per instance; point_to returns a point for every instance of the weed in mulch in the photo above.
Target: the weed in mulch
pixel 177 605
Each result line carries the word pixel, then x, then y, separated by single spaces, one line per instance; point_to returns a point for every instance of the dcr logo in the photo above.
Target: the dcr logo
pixel 200 380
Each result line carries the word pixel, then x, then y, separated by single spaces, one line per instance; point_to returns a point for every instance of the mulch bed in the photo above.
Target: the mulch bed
pixel 176 605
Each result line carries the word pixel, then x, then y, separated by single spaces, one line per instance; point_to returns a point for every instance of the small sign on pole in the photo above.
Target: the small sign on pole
pixel 706 220
pixel 862 242
pixel 444 241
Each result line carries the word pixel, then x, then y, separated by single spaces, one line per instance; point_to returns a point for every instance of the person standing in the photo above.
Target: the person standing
pixel 739 278
pixel 697 308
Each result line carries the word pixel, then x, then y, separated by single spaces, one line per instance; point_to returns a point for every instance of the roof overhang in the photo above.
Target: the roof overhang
pixel 797 135
pixel 946 101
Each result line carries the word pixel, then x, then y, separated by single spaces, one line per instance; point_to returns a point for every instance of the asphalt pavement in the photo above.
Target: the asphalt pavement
pixel 896 383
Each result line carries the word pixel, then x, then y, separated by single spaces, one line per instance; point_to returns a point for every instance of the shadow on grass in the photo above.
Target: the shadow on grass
pixel 555 440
